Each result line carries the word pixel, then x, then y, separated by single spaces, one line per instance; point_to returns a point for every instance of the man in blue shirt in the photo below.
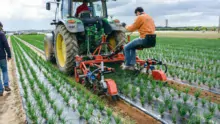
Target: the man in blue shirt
pixel 4 48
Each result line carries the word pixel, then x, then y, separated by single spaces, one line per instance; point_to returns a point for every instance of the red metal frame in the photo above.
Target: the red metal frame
pixel 119 57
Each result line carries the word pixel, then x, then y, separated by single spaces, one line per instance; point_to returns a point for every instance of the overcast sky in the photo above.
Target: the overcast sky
pixel 31 14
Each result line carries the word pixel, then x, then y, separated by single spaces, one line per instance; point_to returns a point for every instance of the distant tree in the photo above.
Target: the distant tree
pixel 204 28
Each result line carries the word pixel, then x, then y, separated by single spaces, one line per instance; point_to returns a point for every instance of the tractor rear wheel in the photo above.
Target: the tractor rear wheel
pixel 117 39
pixel 66 48
pixel 48 49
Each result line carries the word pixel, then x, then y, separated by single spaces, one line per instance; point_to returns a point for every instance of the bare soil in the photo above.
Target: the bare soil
pixel 204 94
pixel 11 109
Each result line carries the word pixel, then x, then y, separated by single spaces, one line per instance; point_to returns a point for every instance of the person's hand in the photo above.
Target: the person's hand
pixel 8 59
pixel 123 24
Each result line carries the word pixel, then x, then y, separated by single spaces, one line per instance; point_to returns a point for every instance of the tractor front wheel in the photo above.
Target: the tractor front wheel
pixel 66 48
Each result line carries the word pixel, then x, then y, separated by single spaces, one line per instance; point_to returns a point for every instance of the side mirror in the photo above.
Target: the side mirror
pixel 48 6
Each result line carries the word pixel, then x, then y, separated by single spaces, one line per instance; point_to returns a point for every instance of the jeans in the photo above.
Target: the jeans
pixel 130 51
pixel 3 67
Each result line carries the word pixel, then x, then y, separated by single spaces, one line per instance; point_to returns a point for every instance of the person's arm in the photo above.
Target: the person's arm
pixel 6 46
pixel 136 25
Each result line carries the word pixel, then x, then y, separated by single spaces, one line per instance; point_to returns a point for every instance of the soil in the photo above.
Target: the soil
pixel 11 108
pixel 204 94
pixel 119 107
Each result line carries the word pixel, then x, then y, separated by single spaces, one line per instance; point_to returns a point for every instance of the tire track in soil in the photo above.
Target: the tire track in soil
pixel 11 108
pixel 120 106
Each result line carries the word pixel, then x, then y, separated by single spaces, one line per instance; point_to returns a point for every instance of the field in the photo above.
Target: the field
pixel 191 95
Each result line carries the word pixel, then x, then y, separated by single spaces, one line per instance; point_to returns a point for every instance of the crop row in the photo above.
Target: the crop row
pixel 66 99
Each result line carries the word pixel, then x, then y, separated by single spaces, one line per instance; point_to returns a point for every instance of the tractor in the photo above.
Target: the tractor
pixel 81 45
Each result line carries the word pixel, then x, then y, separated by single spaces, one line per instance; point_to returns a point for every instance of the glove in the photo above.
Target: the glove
pixel 123 24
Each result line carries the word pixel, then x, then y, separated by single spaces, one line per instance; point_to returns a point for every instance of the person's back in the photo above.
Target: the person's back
pixel 81 8
pixel 144 24
pixel 4 48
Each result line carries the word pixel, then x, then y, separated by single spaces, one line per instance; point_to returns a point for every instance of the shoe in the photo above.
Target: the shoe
pixel 1 93
pixel 131 68
pixel 7 88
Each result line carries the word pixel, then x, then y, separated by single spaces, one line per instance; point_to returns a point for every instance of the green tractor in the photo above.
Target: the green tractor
pixel 80 35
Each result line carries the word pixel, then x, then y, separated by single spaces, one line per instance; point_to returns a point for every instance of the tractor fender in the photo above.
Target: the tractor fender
pixel 117 27
pixel 73 28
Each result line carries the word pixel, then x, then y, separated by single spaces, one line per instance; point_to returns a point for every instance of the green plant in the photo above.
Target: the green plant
pixel 183 111
pixel 185 98
pixel 117 120
pixel 174 118
pixel 170 106
pixel 161 109
pixel 87 116
pixel 142 99
pixel 212 108
pixel 90 109
pixel 203 102
pixel 80 110
pixel 133 92
pixel 196 103
pixel 167 100
pixel 52 120
pixel 191 111
pixel 179 93
pixel 74 107
pixel 59 112
pixel 109 112
pixel 101 106
pixel 187 90
pixel 208 117
pixel 197 94
pixel 142 93
pixel 219 107
pixel 149 97
pixel 156 94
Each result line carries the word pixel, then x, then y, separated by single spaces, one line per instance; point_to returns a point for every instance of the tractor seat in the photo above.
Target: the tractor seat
pixel 148 42
pixel 85 14
pixel 92 21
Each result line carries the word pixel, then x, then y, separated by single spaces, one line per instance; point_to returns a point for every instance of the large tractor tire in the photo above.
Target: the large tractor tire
pixel 66 48
pixel 117 39
pixel 48 48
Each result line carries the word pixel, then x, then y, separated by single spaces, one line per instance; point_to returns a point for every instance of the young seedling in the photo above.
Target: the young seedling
pixel 174 116
pixel 208 117
pixel 167 100
pixel 142 93
pixel 196 103
pixel 90 110
pixel 109 112
pixel 101 106
pixel 191 111
pixel 161 109
pixel 179 93
pixel 187 90
pixel 59 113
pixel 74 107
pixel 157 95
pixel 149 97
pixel 219 107
pixel 80 110
pixel 142 99
pixel 212 108
pixel 197 94
pixel 183 111
pixel 87 116
pixel 117 120
pixel 210 85
pixel 170 106
pixel 133 92
pixel 203 102
pixel 52 120
pixel 185 98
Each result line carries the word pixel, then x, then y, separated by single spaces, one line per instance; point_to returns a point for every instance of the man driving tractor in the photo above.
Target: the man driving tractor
pixel 146 27
pixel 81 8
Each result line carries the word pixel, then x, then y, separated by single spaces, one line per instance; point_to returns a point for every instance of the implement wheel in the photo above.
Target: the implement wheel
pixel 66 48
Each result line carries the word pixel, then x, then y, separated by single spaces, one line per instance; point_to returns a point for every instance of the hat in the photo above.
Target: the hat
pixel 1 24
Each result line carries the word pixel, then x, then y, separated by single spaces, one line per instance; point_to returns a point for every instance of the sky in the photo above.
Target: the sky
pixel 31 14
